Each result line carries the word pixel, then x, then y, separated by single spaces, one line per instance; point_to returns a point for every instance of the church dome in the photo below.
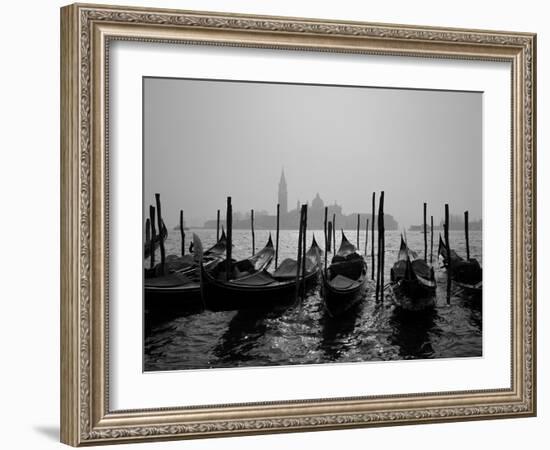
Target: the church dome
pixel 317 202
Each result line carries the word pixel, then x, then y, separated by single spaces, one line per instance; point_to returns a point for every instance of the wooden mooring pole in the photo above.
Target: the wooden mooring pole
pixel 381 244
pixel 378 257
pixel 161 241
pixel 153 234
pixel 467 233
pixel 299 256
pixel 431 239
pixel 229 246
pixel 148 232
pixel 182 233
pixel 218 226
pixel 425 233
pixel 366 239
pixel 304 242
pixel 372 236
pixel 334 233
pixel 326 237
pixel 448 244
pixel 358 228
pixel 252 230
pixel 277 237
pixel 329 237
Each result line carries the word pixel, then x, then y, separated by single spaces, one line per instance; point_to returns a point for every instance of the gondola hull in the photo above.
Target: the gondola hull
pixel 340 301
pixel 413 281
pixel 257 289
pixel 414 295
pixel 229 296
pixel 173 300
pixel 466 273
pixel 474 290
pixel 179 291
pixel 345 281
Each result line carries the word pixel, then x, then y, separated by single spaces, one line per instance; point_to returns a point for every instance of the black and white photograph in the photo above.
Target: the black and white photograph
pixel 309 224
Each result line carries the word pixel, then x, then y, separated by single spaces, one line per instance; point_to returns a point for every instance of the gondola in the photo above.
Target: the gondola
pixel 257 289
pixel 345 282
pixel 413 280
pixel 189 263
pixel 163 235
pixel 467 274
pixel 180 290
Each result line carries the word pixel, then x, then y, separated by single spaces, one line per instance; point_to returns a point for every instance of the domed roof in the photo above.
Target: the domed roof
pixel 317 202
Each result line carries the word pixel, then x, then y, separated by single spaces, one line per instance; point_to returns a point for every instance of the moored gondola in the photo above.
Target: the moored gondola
pixel 413 280
pixel 466 274
pixel 257 289
pixel 344 283
pixel 179 290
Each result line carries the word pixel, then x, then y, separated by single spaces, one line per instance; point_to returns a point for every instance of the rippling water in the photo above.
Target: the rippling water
pixel 306 334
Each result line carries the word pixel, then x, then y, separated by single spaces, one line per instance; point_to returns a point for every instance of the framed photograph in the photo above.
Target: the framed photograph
pixel 274 224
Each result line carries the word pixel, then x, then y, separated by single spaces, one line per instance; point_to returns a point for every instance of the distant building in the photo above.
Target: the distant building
pixel 288 220
pixel 457 223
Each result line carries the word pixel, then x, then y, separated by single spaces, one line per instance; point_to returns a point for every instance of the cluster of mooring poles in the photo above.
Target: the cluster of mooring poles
pixel 151 235
pixel 425 232
pixel 155 234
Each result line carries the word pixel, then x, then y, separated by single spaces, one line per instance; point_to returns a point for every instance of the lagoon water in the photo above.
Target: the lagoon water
pixel 306 333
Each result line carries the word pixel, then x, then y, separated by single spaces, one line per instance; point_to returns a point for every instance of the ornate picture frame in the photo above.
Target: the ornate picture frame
pixel 86 34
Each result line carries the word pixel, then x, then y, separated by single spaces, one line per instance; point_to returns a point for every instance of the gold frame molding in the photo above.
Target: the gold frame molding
pixel 86 31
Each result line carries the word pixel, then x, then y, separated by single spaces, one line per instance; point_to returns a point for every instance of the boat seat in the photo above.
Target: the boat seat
pixel 350 269
pixel 287 269
pixel 422 268
pixel 258 279
pixel 342 282
pixel 349 257
pixel 174 262
pixel 243 266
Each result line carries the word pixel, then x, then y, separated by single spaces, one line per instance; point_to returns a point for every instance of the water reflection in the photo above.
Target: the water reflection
pixel 336 339
pixel 475 305
pixel 412 332
pixel 238 342
pixel 306 334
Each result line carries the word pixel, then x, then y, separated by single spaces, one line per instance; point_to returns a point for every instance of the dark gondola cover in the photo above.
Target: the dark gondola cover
pixel 467 274
pixel 413 280
pixel 179 290
pixel 345 282
pixel 257 289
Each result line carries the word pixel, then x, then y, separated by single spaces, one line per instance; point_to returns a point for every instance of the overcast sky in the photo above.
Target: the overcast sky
pixel 205 140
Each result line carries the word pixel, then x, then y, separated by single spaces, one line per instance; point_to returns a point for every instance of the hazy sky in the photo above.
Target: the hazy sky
pixel 205 140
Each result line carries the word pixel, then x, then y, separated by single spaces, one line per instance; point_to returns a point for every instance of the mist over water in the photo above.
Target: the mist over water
pixel 306 333
pixel 206 140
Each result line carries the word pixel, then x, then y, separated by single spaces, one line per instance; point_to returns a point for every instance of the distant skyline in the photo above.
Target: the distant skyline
pixel 205 140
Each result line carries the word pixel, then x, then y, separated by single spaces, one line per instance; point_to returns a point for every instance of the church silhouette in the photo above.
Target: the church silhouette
pixel 289 219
